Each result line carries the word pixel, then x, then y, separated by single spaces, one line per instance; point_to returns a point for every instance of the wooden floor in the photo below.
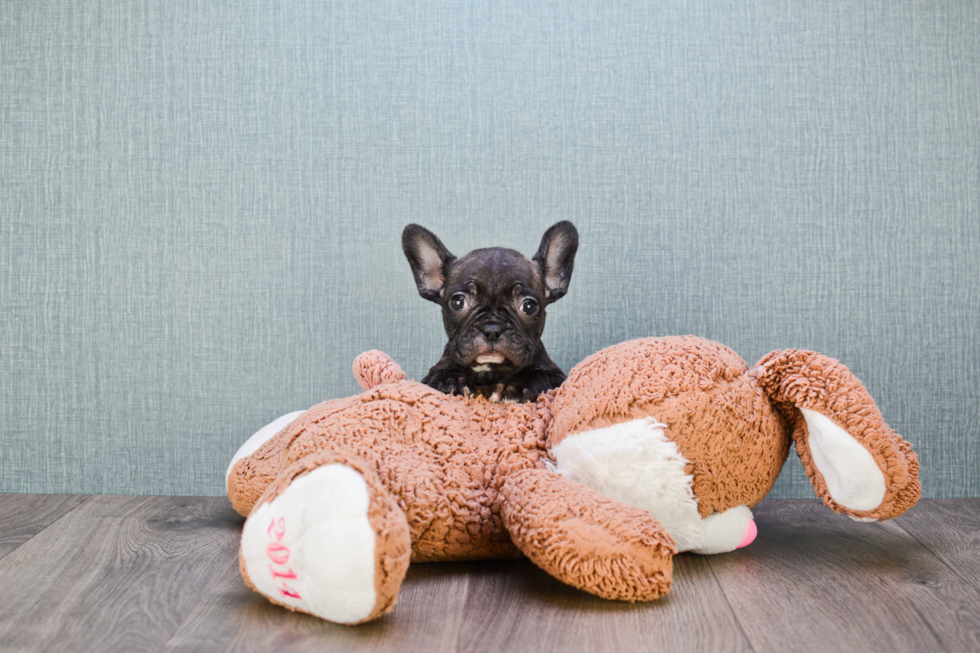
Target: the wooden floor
pixel 101 573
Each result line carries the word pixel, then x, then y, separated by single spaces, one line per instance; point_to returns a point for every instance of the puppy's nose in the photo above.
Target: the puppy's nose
pixel 492 331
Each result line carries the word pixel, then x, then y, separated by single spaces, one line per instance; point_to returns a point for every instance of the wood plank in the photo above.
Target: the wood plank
pixel 815 580
pixel 135 573
pixel 25 515
pixel 116 574
pixel 950 529
pixel 511 605
pixel 514 606
pixel 426 619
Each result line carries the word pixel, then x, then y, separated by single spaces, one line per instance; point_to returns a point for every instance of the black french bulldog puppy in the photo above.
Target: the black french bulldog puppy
pixel 493 307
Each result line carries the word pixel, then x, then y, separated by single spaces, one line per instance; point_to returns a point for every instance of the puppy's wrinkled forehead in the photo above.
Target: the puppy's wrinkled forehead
pixel 494 270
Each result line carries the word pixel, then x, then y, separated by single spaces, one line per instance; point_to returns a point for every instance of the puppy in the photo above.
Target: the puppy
pixel 493 307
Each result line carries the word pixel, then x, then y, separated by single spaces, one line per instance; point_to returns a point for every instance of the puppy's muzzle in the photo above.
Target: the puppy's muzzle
pixel 491 331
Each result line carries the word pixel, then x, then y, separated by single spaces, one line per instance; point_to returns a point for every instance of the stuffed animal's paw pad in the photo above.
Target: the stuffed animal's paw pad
pixel 312 548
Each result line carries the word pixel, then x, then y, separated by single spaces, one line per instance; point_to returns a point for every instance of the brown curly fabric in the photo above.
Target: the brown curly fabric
pixel 374 368
pixel 441 458
pixel 806 379
pixel 251 475
pixel 587 540
pixel 469 474
pixel 720 418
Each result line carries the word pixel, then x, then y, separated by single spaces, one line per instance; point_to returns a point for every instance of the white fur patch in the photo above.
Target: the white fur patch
pixel 634 462
pixel 260 437
pixel 850 471
pixel 313 546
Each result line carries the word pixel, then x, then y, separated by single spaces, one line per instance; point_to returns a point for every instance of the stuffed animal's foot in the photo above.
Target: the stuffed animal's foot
pixel 859 465
pixel 327 539
pixel 726 531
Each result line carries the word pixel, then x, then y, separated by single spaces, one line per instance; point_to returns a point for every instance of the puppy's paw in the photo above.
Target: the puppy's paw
pixel 513 394
pixel 450 384
pixel 528 386
pixel 498 394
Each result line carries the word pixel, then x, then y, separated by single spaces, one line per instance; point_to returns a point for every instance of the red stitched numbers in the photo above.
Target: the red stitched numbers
pixel 279 555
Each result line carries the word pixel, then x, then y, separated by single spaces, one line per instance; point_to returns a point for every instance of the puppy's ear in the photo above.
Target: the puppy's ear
pixel 555 258
pixel 429 259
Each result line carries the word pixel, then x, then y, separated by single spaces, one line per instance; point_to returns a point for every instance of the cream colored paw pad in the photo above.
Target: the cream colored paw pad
pixel 313 548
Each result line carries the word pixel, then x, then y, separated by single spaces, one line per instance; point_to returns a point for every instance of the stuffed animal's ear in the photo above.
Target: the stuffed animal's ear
pixel 555 257
pixel 857 464
pixel 429 259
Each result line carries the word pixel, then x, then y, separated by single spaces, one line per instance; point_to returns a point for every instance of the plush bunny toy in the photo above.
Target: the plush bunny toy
pixel 650 447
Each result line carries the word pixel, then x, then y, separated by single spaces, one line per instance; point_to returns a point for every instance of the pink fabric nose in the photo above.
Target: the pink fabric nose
pixel 751 530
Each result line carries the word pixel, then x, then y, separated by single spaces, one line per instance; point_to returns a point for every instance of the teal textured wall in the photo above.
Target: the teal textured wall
pixel 201 203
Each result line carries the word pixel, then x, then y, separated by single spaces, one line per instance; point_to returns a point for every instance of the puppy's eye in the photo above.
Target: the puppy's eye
pixel 529 306
pixel 458 301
